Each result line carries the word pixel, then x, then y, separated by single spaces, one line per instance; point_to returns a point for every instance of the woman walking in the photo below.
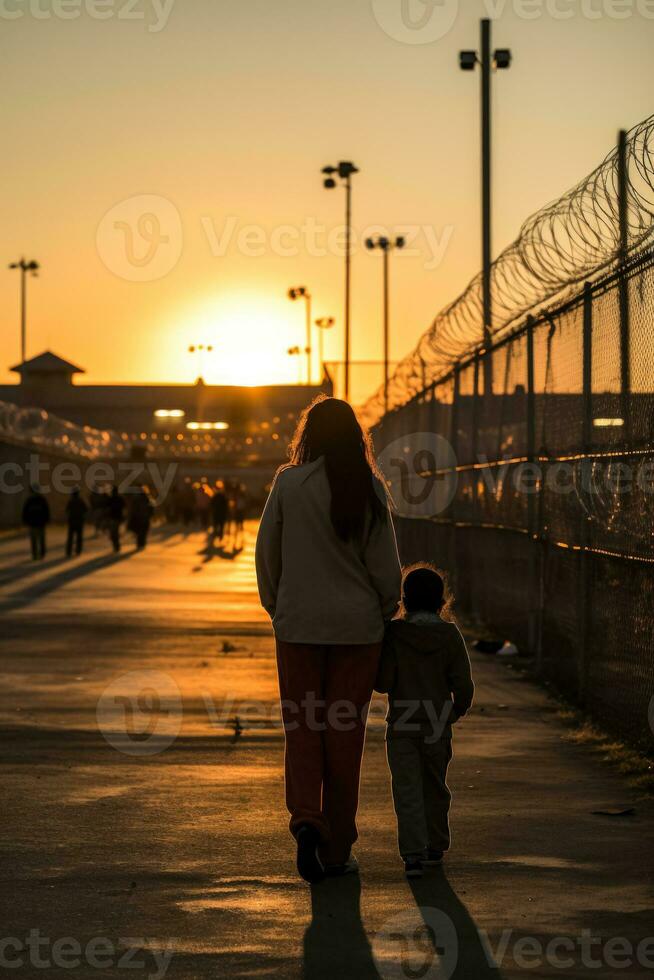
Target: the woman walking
pixel 329 577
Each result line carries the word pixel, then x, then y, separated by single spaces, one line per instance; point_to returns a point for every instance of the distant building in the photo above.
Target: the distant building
pixel 255 420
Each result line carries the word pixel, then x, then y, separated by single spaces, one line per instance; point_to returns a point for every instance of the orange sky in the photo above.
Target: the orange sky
pixel 214 120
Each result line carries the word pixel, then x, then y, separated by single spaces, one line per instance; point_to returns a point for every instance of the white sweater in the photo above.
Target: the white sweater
pixel 316 587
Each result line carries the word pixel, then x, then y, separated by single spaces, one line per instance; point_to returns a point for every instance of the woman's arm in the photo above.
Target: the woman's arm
pixel 383 563
pixel 268 551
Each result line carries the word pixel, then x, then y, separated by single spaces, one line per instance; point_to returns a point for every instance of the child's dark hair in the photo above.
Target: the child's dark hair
pixel 424 589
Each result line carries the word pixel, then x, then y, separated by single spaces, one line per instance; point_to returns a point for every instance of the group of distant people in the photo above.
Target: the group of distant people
pixel 107 512
pixel 219 509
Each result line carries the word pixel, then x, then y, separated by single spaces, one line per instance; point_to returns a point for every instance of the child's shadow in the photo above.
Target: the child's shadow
pixel 451 930
pixel 336 944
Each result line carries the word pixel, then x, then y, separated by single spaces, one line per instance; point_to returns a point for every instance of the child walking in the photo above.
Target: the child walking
pixel 425 670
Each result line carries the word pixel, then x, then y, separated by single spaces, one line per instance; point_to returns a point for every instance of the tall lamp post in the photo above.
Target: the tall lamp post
pixel 344 171
pixel 500 59
pixel 25 267
pixel 386 245
pixel 200 350
pixel 323 323
pixel 301 292
pixel 293 352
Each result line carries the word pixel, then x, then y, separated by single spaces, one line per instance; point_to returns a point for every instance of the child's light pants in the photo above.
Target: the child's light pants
pixel 420 793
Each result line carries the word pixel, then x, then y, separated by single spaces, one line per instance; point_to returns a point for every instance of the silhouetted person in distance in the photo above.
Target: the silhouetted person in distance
pixel 115 515
pixel 36 516
pixel 98 509
pixel 240 506
pixel 187 498
pixel 218 512
pixel 140 515
pixel 202 501
pixel 76 511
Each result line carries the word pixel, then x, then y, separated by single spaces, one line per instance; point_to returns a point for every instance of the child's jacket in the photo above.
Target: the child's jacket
pixel 425 670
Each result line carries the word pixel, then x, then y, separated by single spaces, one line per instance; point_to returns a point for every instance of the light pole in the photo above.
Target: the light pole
pixel 386 245
pixel 344 170
pixel 467 60
pixel 200 350
pixel 293 352
pixel 323 323
pixel 25 267
pixel 301 292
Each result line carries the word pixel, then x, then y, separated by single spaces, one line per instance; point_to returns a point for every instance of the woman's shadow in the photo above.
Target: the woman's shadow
pixel 336 944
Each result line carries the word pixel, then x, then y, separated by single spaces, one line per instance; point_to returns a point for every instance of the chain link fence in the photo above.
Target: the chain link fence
pixel 547 523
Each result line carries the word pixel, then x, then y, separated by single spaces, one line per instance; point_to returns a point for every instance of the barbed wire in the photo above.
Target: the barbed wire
pixel 565 242
pixel 35 426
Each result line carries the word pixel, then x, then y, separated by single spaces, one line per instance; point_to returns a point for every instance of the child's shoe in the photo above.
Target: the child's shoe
pixel 432 858
pixel 413 867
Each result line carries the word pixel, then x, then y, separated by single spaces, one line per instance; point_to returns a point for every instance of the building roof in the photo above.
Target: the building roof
pixel 47 363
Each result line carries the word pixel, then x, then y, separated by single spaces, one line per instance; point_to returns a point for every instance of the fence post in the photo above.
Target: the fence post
pixel 584 557
pixel 623 287
pixel 454 442
pixel 534 623
pixel 474 441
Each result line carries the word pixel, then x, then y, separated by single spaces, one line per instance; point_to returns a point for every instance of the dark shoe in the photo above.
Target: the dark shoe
pixel 433 857
pixel 349 867
pixel 309 865
pixel 413 868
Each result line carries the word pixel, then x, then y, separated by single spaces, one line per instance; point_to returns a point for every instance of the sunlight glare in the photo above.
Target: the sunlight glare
pixel 250 339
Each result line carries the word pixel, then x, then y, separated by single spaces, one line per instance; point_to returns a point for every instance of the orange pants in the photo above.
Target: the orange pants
pixel 325 694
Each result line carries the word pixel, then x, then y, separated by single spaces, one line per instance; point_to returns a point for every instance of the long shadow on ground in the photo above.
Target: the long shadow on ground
pixel 450 931
pixel 55 582
pixel 336 944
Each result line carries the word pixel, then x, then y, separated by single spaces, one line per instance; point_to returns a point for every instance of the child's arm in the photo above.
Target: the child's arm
pixel 386 671
pixel 460 676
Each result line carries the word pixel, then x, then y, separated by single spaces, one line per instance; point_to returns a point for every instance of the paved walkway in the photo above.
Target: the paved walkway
pixel 142 829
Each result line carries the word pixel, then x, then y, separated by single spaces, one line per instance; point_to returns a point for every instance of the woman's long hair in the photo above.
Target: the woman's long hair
pixel 329 428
